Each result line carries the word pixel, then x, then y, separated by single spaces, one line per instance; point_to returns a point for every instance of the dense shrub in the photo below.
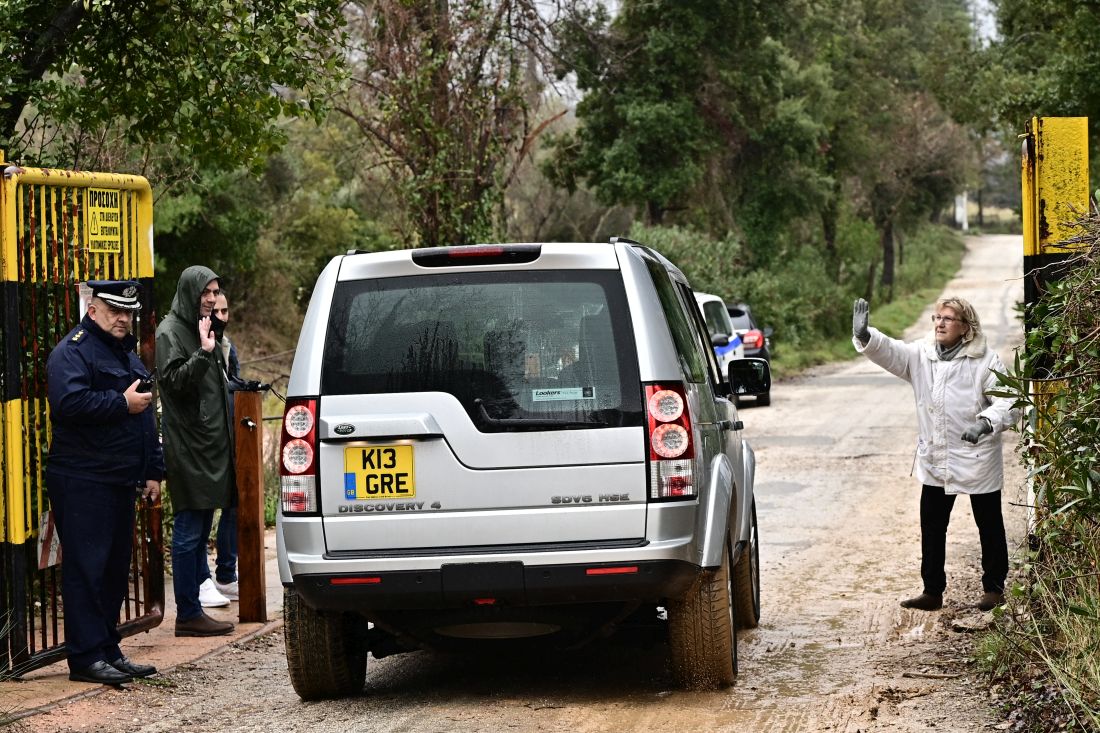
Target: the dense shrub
pixel 1046 645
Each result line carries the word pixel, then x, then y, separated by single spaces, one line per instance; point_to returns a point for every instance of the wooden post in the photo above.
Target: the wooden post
pixel 251 578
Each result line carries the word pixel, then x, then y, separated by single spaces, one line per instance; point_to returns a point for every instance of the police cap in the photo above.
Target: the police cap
pixel 122 294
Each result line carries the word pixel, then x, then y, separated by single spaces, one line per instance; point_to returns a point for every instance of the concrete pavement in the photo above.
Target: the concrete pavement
pixel 50 686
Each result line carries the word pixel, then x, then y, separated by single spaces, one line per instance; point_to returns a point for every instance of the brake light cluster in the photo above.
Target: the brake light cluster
pixel 670 446
pixel 477 254
pixel 298 457
pixel 753 339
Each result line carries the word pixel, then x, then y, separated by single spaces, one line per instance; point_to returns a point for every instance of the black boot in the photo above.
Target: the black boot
pixel 990 600
pixel 924 602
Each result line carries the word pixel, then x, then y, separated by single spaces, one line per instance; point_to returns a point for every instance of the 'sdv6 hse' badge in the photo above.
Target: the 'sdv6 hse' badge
pixel 344 429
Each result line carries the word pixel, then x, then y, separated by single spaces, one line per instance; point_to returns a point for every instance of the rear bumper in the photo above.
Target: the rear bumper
pixel 464 585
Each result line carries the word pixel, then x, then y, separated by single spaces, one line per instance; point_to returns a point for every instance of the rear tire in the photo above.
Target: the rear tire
pixel 746 580
pixel 702 632
pixel 323 654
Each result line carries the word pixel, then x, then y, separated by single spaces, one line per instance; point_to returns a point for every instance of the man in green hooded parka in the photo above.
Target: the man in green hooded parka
pixel 198 439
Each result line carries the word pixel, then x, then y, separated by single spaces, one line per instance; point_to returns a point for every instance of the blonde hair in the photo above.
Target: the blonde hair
pixel 966 312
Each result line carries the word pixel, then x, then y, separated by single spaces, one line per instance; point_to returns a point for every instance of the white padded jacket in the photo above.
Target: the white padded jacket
pixel 950 396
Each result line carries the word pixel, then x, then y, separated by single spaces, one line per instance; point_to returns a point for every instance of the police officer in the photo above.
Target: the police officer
pixel 104 448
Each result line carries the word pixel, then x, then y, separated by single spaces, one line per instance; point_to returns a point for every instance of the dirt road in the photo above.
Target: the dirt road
pixel 835 652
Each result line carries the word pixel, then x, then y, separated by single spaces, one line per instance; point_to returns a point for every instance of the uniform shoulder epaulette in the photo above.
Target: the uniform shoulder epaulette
pixel 78 335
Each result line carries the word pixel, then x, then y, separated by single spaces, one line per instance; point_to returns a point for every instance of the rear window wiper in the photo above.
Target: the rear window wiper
pixel 533 422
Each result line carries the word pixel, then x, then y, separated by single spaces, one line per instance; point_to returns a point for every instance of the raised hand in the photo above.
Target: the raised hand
pixel 206 336
pixel 861 312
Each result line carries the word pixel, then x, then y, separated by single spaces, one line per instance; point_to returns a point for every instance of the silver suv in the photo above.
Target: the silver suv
pixel 512 441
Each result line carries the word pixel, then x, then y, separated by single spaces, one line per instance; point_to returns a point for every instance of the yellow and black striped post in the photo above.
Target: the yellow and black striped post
pixel 58 229
pixel 1055 188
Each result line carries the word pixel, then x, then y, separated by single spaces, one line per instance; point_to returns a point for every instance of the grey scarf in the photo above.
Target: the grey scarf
pixel 949 353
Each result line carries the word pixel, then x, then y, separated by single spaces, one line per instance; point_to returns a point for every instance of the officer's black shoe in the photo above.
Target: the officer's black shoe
pixel 101 673
pixel 132 668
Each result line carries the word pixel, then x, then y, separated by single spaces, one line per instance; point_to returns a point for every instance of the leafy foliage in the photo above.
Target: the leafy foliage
pixel 680 97
pixel 1051 640
pixel 1049 59
pixel 764 118
pixel 444 93
pixel 208 76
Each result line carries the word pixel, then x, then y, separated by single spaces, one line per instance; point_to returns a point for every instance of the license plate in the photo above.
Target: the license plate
pixel 379 472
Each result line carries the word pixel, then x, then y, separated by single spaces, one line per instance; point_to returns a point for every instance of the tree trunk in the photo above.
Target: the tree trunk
pixel 829 217
pixel 36 60
pixel 887 281
pixel 830 214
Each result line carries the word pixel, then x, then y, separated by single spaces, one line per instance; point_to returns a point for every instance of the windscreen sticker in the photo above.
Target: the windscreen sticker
pixel 567 393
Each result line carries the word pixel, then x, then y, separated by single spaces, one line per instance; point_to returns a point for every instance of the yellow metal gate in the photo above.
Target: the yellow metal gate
pixel 58 229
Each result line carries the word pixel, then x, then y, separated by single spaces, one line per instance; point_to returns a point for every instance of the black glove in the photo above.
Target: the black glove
pixel 981 427
pixel 861 312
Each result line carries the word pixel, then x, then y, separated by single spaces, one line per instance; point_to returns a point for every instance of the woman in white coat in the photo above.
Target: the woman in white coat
pixel 959 437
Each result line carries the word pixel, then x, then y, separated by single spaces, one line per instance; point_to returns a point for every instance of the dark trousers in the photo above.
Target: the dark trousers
pixel 935 514
pixel 226 562
pixel 96 526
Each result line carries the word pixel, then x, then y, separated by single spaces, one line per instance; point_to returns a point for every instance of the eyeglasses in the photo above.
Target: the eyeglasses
pixel 946 319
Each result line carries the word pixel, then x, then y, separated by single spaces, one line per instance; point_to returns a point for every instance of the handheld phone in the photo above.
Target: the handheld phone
pixel 146 385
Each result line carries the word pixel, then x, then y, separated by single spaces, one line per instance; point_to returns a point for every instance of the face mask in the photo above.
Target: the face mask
pixel 217 326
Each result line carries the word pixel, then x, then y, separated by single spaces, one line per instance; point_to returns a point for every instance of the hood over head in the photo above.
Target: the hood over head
pixel 185 303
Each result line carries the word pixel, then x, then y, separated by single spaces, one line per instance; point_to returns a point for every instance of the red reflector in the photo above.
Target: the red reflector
pixel 679 485
pixel 355 581
pixel 485 601
pixel 626 570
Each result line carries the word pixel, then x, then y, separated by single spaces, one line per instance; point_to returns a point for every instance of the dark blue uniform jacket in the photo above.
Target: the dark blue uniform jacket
pixel 94 435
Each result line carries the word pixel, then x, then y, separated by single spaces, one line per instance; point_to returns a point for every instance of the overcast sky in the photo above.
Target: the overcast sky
pixel 984 19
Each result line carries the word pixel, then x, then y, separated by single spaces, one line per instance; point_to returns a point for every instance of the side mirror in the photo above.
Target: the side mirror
pixel 768 331
pixel 749 377
pixel 719 339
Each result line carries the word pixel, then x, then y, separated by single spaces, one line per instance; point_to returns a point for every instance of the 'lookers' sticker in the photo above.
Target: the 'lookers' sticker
pixel 567 393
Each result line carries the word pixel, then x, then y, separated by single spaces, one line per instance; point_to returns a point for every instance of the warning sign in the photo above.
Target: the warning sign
pixel 104 228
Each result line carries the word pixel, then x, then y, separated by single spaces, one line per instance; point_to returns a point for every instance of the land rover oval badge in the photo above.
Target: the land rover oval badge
pixel 344 429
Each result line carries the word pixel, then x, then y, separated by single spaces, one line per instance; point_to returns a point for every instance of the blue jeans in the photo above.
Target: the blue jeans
pixel 190 530
pixel 226 571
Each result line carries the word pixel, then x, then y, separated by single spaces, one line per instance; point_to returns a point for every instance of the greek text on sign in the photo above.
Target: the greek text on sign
pixel 104 224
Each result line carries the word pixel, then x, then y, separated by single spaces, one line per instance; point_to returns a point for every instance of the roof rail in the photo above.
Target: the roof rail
pixel 624 240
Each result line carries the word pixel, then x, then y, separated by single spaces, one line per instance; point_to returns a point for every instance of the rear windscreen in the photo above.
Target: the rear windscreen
pixel 740 319
pixel 519 350
pixel 716 317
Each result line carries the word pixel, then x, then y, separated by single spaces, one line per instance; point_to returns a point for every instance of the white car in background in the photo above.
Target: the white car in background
pixel 723 336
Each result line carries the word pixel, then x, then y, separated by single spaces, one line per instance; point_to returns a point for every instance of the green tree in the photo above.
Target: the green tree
pixel 1049 55
pixel 892 148
pixel 207 76
pixel 445 93
pixel 681 99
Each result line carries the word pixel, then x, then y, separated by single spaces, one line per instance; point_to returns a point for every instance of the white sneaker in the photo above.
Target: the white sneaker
pixel 209 597
pixel 229 590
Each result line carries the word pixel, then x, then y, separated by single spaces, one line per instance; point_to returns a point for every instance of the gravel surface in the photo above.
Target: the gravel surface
pixel 838 514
